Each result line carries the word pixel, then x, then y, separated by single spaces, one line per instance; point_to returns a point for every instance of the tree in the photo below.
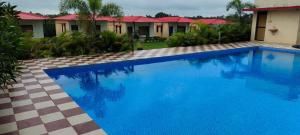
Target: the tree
pixel 89 10
pixel 10 34
pixel 161 14
pixel 238 6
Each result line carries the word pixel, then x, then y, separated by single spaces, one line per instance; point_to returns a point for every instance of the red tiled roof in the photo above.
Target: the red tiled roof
pixel 106 18
pixel 211 21
pixel 67 17
pixel 272 8
pixel 138 19
pixel 110 19
pixel 31 16
pixel 175 19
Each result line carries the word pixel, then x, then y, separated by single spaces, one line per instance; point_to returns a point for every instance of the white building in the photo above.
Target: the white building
pixel 32 23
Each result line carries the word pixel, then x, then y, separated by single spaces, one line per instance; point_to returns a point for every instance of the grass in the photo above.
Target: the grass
pixel 151 45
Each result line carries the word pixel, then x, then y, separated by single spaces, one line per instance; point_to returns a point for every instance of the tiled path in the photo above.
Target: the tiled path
pixel 36 105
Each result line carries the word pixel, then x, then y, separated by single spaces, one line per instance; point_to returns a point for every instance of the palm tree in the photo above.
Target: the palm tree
pixel 238 6
pixel 89 10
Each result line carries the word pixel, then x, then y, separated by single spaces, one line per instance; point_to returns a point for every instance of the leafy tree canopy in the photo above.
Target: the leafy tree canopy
pixel 162 14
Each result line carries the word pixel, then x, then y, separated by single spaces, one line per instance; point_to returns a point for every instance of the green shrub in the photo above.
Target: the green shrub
pixel 9 70
pixel 190 39
pixel 28 47
pixel 108 39
pixel 123 42
pixel 78 44
pixel 176 40
pixel 209 34
pixel 9 44
pixel 58 45
pixel 72 44
pixel 69 44
pixel 235 33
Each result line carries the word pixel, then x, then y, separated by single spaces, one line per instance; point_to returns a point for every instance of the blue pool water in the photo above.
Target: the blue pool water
pixel 241 92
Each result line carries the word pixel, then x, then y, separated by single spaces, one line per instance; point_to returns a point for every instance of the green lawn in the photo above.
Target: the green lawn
pixel 151 45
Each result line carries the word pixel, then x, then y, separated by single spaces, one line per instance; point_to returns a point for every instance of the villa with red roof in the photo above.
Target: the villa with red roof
pixel 132 25
pixel 117 25
pixel 140 26
pixel 171 25
pixel 32 23
pixel 71 23
pixel 276 21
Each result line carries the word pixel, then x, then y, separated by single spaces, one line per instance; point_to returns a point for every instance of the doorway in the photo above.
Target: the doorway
pixel 171 30
pixel 144 31
pixel 130 31
pixel 261 25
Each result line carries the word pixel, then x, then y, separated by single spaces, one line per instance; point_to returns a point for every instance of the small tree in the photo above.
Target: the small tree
pixel 9 44
pixel 238 6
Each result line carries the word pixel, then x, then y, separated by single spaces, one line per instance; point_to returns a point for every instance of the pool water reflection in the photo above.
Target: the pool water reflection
pixel 256 92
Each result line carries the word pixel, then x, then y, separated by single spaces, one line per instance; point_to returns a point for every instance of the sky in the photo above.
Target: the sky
pixel 138 7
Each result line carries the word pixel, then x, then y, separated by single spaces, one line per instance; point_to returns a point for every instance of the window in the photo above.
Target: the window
pixel 159 28
pixel 74 27
pixel 129 30
pixel 181 29
pixel 98 28
pixel 144 30
pixel 63 27
pixel 118 29
pixel 27 28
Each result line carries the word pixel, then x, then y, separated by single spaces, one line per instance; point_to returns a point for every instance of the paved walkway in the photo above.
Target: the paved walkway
pixel 36 105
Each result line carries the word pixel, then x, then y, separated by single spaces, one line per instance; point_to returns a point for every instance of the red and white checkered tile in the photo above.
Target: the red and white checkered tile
pixel 36 105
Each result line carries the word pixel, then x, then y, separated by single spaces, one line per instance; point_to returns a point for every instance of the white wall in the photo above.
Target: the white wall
pixel 287 23
pixel 38 29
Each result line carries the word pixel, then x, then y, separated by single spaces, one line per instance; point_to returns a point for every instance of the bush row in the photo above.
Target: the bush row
pixel 72 44
pixel 209 34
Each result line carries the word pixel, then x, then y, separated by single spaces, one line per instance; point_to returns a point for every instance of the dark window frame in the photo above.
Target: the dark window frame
pixel 74 26
pixel 27 28
pixel 98 28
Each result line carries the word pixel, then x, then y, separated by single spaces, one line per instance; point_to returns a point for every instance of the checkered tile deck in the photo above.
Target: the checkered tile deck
pixel 36 105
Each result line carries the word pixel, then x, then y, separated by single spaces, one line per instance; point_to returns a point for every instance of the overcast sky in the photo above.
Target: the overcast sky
pixel 138 7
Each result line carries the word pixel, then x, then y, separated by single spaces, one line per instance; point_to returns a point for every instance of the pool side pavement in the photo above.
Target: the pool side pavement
pixel 36 105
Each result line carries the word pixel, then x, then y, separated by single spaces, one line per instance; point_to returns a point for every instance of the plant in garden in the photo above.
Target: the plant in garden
pixel 9 70
pixel 9 44
pixel 208 34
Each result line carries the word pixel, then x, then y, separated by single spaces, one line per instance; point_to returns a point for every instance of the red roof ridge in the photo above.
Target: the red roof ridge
pixel 32 16
pixel 176 19
pixel 68 17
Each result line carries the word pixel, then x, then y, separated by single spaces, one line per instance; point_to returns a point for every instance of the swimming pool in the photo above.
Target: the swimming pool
pixel 249 91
